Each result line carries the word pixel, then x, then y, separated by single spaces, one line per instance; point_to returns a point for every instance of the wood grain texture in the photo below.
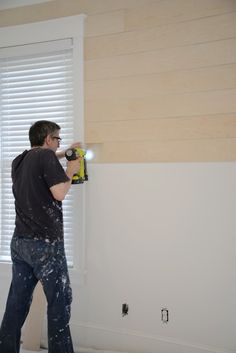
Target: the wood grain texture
pixel 209 150
pixel 168 129
pixel 102 24
pixel 173 11
pixel 62 8
pixel 150 85
pixel 158 37
pixel 160 76
pixel 179 58
pixel 163 105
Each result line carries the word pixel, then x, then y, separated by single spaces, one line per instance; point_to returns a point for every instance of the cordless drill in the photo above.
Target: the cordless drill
pixel 72 154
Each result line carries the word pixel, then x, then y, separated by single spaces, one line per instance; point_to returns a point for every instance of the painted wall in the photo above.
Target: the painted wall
pixel 159 87
pixel 160 235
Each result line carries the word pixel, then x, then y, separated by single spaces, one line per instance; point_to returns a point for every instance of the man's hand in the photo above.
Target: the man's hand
pixel 61 154
pixel 59 191
pixel 73 167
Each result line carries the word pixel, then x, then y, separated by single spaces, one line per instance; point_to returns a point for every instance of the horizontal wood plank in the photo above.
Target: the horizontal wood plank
pixel 209 78
pixel 160 76
pixel 165 36
pixel 213 150
pixel 102 6
pixel 179 58
pixel 161 106
pixel 172 11
pixel 111 22
pixel 188 128
pixel 62 8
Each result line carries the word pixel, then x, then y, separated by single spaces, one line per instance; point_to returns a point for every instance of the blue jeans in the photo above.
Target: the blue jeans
pixel 33 261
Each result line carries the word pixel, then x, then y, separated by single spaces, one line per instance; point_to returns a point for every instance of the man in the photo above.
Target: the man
pixel 37 248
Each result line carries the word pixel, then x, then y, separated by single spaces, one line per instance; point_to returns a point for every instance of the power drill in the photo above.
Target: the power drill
pixel 72 154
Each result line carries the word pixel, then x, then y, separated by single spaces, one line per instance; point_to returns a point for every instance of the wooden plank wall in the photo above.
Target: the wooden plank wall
pixel 160 77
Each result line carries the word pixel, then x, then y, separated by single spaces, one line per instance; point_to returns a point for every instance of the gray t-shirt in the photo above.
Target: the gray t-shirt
pixel 38 214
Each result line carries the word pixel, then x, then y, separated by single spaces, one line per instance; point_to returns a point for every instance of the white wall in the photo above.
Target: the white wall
pixel 158 235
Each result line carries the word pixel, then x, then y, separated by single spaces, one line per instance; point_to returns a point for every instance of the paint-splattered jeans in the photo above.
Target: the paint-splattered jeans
pixel 33 261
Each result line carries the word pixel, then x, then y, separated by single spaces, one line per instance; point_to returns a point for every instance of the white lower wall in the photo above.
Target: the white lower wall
pixel 159 235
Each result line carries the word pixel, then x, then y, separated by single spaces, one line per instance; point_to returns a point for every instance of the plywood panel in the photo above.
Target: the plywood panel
pixel 160 76
pixel 142 13
pixel 215 150
pixel 61 8
pixel 209 78
pixel 100 6
pixel 190 104
pixel 172 11
pixel 111 22
pixel 218 126
pixel 193 56
pixel 166 36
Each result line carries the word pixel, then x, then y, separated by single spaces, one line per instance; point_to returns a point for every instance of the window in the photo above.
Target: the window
pixel 39 78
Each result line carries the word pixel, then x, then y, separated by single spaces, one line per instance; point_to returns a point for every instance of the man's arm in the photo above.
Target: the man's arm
pixel 60 190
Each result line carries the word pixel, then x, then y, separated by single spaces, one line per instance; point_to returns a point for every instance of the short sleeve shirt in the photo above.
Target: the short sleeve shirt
pixel 38 214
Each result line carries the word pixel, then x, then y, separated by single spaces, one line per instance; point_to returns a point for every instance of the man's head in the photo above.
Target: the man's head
pixel 44 133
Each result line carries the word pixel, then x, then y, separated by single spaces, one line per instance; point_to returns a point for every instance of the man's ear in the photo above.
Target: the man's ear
pixel 47 140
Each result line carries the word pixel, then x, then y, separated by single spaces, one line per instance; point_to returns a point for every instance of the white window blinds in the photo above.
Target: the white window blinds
pixel 36 83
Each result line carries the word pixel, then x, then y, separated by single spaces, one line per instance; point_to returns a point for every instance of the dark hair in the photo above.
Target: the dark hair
pixel 40 130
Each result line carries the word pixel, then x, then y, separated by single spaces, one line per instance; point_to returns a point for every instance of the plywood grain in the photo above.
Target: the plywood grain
pixel 178 128
pixel 160 76
pixel 173 11
pixel 62 8
pixel 159 37
pixel 179 58
pixel 163 105
pixel 214 150
pixel 101 24
pixel 183 81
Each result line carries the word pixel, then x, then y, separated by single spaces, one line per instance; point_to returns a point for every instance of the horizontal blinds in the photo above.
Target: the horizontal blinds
pixel 36 86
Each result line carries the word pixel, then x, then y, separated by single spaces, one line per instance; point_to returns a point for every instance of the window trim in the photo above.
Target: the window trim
pixel 51 30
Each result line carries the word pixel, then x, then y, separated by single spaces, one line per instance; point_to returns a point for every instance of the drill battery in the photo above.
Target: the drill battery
pixel 72 154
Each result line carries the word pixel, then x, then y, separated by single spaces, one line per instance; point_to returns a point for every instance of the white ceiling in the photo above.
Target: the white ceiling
pixel 9 4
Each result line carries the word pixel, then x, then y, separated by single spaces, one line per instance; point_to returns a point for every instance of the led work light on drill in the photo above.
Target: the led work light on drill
pixel 72 154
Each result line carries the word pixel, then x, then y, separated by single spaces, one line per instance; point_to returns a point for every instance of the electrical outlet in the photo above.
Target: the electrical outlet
pixel 125 309
pixel 164 315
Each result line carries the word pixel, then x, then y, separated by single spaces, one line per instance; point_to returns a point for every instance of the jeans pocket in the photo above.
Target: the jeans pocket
pixel 15 249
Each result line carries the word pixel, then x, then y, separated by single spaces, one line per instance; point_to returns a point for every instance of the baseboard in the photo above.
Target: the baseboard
pixel 103 338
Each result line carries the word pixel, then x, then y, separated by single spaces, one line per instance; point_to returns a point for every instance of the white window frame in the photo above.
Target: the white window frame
pixel 57 29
